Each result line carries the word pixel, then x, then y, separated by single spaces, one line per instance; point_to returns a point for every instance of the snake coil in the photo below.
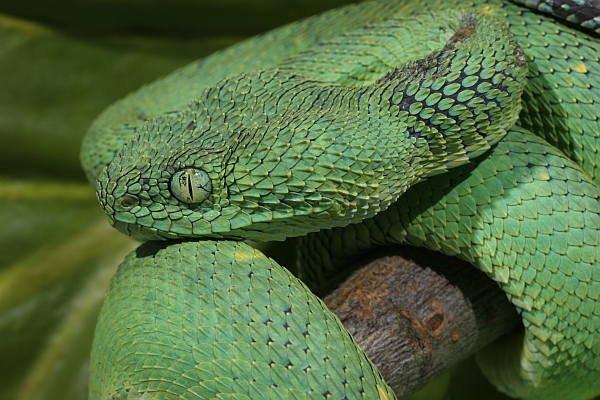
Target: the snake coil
pixel 380 123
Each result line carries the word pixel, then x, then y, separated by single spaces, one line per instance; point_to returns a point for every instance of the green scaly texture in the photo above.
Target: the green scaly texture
pixel 118 123
pixel 325 124
pixel 529 218
pixel 287 155
pixel 218 319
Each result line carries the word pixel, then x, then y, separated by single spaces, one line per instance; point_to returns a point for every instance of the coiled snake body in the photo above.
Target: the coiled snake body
pixel 385 122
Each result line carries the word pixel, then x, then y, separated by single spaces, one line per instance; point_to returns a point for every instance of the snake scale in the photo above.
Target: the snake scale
pixel 389 121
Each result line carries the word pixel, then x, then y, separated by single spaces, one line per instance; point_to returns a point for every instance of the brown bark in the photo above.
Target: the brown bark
pixel 418 314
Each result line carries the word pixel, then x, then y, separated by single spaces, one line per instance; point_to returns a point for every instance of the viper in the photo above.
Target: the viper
pixel 468 127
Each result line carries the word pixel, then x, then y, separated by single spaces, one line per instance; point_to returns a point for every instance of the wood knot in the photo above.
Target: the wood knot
pixel 435 323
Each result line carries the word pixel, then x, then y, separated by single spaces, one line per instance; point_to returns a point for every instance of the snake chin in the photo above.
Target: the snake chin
pixel 139 232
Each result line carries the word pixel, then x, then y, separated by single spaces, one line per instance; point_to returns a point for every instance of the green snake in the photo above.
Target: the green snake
pixel 384 122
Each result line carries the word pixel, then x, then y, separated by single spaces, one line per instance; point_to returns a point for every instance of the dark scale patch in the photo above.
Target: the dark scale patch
pixel 407 101
pixel 435 62
pixel 571 13
pixel 585 11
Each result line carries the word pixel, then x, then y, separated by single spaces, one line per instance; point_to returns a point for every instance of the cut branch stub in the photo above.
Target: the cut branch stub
pixel 418 314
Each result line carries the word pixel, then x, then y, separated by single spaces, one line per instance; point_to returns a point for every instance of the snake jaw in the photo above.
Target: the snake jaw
pixel 140 232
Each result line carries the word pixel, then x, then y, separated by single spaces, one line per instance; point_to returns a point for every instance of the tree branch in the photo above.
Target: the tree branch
pixel 419 315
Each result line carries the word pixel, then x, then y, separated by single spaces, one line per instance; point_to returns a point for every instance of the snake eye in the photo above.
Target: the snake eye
pixel 191 186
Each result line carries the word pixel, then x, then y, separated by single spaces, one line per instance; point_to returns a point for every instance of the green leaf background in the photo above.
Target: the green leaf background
pixel 61 64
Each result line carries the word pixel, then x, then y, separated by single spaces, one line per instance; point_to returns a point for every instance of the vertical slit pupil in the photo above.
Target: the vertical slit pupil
pixel 189 184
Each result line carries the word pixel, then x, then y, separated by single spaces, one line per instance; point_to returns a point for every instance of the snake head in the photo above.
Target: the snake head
pixel 273 151
pixel 249 160
pixel 165 180
pixel 236 163
pixel 190 175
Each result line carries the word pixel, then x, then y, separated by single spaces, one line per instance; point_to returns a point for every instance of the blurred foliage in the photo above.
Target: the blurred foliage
pixel 57 253
pixel 183 18
pixel 54 85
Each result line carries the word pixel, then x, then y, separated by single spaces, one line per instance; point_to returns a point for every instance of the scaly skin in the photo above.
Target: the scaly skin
pixel 218 318
pixel 526 216
pixel 286 155
pixel 331 135
pixel 585 13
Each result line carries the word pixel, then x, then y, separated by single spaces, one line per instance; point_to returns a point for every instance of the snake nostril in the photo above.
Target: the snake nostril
pixel 127 202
